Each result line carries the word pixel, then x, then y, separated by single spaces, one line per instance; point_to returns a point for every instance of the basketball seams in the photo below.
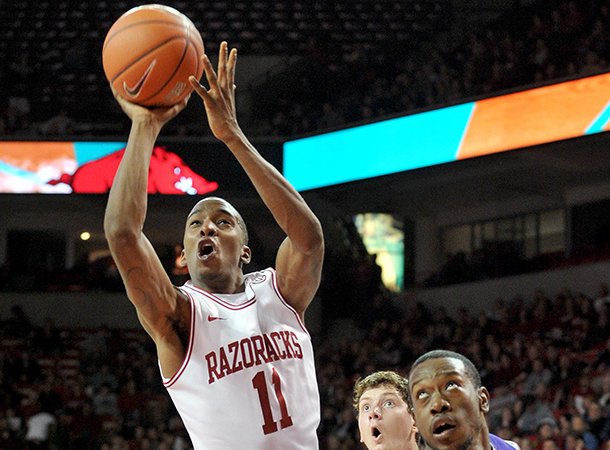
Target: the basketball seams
pixel 176 69
pixel 148 52
pixel 112 34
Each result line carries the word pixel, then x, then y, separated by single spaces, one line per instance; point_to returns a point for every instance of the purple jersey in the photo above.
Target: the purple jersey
pixel 498 443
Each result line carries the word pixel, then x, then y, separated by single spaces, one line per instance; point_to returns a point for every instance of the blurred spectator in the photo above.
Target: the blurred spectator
pixel 580 428
pixel 103 377
pixel 47 340
pixel 48 396
pixel 17 324
pixel 536 412
pixel 538 374
pixel 604 395
pixel 38 429
pixel 105 402
pixel 59 125
pixel 547 431
pixel 598 420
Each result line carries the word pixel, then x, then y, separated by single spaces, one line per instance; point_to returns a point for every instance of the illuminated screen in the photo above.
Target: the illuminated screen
pixel 191 166
pixel 507 122
pixel 383 237
pixel 89 168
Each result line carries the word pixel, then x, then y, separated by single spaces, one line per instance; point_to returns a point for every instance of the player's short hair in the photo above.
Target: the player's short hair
pixel 240 219
pixel 380 378
pixel 244 229
pixel 471 371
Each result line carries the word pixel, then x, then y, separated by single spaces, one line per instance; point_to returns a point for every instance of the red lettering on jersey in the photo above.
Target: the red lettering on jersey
pixel 259 350
pixel 274 336
pixel 246 352
pixel 271 353
pixel 287 344
pixel 252 351
pixel 234 348
pixel 225 368
pixel 295 342
pixel 212 367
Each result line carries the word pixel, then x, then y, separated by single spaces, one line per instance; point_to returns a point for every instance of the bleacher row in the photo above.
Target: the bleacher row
pixel 261 27
pixel 52 50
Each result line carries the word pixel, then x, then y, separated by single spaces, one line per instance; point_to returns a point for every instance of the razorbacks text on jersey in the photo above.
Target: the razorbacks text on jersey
pixel 248 379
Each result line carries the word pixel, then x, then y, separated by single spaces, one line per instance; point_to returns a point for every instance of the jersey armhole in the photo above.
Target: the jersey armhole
pixel 276 288
pixel 168 382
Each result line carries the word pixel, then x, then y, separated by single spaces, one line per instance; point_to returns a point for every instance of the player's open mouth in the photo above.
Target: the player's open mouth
pixel 205 250
pixel 376 433
pixel 442 427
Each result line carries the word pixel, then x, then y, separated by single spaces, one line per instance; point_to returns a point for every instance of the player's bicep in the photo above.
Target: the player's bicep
pixel 146 282
pixel 298 274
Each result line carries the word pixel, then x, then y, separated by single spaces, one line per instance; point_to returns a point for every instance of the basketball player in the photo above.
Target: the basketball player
pixel 233 350
pixel 449 404
pixel 384 419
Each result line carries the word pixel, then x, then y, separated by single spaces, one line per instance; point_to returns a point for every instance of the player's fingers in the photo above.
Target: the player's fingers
pixel 222 63
pixel 231 68
pixel 198 88
pixel 210 74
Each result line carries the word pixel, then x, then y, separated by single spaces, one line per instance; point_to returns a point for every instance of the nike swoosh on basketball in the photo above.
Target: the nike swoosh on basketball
pixel 134 91
pixel 212 318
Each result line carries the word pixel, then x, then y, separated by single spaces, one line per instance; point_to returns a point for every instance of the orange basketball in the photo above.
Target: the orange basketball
pixel 149 53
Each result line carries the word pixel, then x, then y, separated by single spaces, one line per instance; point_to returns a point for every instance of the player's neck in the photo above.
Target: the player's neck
pixel 231 284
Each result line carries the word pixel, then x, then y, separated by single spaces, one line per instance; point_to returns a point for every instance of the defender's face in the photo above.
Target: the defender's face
pixel 449 411
pixel 214 239
pixel 384 420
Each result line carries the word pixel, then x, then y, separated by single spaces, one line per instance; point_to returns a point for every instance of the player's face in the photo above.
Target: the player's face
pixel 449 411
pixel 214 239
pixel 384 420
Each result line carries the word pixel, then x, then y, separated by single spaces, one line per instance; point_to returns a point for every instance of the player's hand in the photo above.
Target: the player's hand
pixel 219 99
pixel 156 117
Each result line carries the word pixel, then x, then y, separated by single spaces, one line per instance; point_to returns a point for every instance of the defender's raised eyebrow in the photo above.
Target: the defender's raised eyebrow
pixel 437 373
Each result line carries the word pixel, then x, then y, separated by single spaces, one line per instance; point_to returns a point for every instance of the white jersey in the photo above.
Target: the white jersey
pixel 248 379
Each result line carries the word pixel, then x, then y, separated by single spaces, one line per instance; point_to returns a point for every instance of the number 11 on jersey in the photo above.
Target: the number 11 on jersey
pixel 259 382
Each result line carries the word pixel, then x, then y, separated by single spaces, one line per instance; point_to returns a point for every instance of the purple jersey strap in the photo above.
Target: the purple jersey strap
pixel 499 443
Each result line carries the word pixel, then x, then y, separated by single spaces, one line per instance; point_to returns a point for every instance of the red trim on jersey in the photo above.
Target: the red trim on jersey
pixel 276 288
pixel 219 300
pixel 189 350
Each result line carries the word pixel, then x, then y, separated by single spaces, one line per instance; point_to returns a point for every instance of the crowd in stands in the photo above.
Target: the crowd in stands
pixel 337 83
pixel 528 45
pixel 545 360
pixel 82 389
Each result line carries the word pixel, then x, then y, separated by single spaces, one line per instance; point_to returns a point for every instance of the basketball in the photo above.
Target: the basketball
pixel 149 54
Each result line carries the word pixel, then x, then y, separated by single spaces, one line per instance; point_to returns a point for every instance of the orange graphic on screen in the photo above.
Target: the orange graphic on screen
pixel 536 116
pixel 32 164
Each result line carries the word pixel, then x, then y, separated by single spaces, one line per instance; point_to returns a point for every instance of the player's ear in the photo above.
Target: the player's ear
pixel 246 254
pixel 484 399
pixel 181 260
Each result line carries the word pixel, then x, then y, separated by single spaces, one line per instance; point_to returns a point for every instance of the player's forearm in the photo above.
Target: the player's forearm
pixel 287 206
pixel 127 201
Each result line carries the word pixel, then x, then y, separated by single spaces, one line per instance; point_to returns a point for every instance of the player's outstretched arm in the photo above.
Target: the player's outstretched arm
pixel 147 284
pixel 299 259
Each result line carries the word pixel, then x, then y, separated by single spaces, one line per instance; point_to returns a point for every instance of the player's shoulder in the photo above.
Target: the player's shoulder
pixel 260 276
pixel 513 444
pixel 498 443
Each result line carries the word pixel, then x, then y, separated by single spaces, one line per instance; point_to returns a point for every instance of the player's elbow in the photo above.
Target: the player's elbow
pixel 118 234
pixel 314 244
